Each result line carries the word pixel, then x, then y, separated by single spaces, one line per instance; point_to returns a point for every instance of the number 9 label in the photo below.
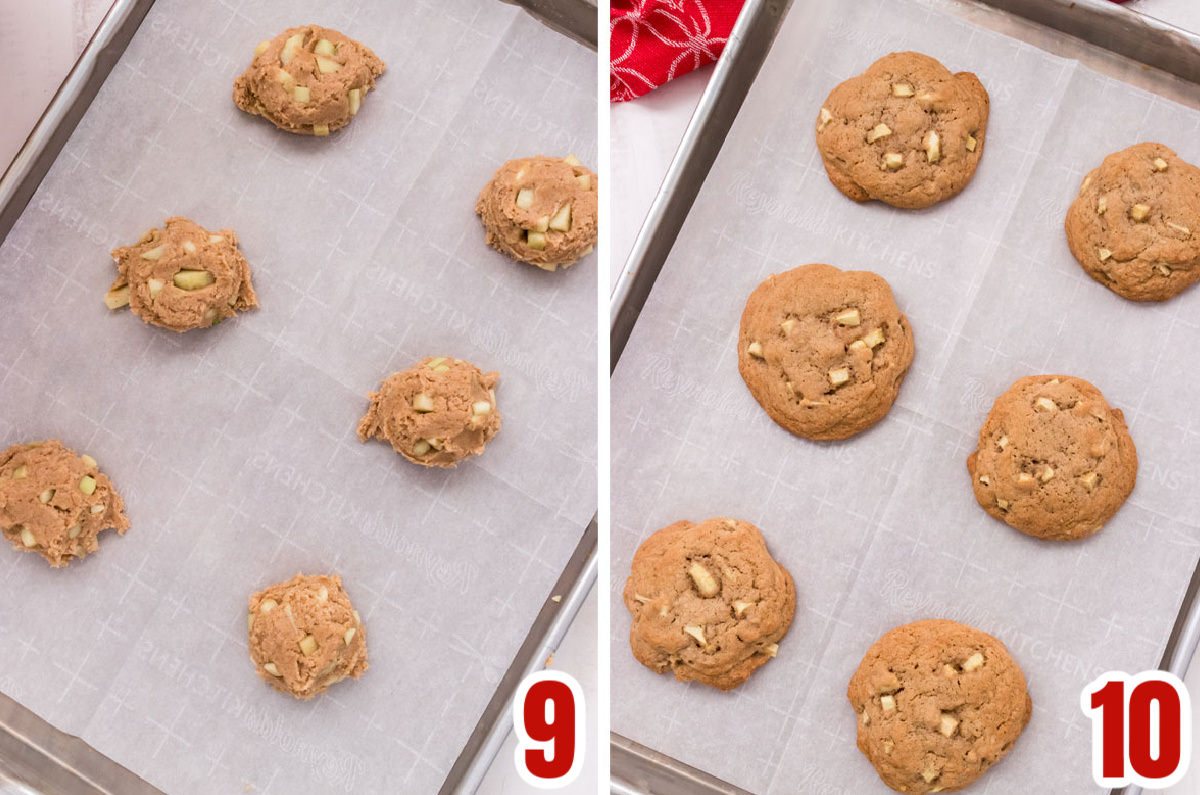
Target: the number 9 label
pixel 548 716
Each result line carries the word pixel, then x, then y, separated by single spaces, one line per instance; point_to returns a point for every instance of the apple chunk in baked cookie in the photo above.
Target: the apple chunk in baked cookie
pixel 436 413
pixel 1131 227
pixel 305 635
pixel 308 80
pixel 56 502
pixel 708 602
pixel 823 350
pixel 937 704
pixel 906 132
pixel 541 210
pixel 182 277
pixel 1054 460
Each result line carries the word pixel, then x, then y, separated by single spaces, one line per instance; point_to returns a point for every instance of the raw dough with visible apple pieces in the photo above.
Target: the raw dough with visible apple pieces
pixel 305 635
pixel 541 210
pixel 55 502
pixel 308 80
pixel 182 277
pixel 436 413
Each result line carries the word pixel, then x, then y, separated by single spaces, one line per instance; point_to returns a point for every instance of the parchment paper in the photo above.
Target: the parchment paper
pixel 883 529
pixel 235 447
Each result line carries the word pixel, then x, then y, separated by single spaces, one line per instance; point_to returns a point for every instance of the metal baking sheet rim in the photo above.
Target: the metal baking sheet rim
pixel 33 753
pixel 637 769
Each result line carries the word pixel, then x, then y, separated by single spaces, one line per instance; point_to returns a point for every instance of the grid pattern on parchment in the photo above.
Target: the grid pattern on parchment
pixel 883 529
pixel 235 447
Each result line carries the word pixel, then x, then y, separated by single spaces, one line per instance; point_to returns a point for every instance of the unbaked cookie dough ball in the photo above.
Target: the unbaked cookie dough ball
pixel 436 413
pixel 309 80
pixel 182 277
pixel 55 502
pixel 305 635
pixel 541 210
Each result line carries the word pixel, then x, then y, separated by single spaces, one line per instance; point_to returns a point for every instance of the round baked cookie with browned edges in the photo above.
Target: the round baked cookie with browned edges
pixel 55 502
pixel 906 131
pixel 182 277
pixel 709 603
pixel 305 635
pixel 938 703
pixel 1135 226
pixel 436 413
pixel 541 210
pixel 824 351
pixel 309 80
pixel 1055 460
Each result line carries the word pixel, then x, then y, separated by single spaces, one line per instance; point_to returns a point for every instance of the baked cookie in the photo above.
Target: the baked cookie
pixel 182 277
pixel 540 210
pixel 1131 227
pixel 56 503
pixel 906 131
pixel 436 413
pixel 824 351
pixel 1055 460
pixel 309 80
pixel 305 635
pixel 938 703
pixel 708 602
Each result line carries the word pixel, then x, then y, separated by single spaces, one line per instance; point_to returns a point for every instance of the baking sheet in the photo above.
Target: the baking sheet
pixel 235 448
pixel 883 529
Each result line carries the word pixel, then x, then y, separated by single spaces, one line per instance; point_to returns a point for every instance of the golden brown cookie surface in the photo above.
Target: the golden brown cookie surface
pixel 938 703
pixel 436 413
pixel 906 131
pixel 541 210
pixel 1135 226
pixel 55 502
pixel 824 351
pixel 1055 460
pixel 305 635
pixel 708 601
pixel 182 276
pixel 309 80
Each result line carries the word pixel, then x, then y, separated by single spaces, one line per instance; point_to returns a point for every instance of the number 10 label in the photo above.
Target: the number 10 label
pixel 1141 728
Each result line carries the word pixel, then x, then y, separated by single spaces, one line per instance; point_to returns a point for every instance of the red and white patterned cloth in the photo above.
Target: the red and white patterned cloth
pixel 653 41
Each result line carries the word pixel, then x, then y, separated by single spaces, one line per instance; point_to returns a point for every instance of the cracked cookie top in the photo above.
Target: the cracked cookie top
pixel 906 131
pixel 1134 225
pixel 938 703
pixel 824 351
pixel 1055 460
pixel 708 601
